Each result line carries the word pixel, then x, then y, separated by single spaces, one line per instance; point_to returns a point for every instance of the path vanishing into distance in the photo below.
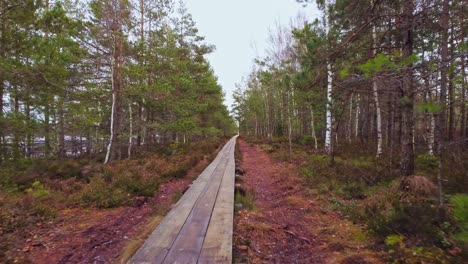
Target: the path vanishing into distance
pixel 199 227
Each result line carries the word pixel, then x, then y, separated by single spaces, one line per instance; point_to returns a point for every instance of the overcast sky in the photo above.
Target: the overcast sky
pixel 239 30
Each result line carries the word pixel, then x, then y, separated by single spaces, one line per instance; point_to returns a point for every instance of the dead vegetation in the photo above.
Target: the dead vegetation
pixel 289 223
pixel 370 193
pixel 417 186
pixel 39 193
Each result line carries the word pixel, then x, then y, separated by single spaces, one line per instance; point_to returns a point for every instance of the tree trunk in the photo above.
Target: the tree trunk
pixel 29 131
pixel 407 95
pixel 328 129
pixel 112 134
pixel 431 137
pixel 392 125
pixel 376 99
pixel 464 117
pixel 47 146
pixel 443 74
pixel 350 121
pixel 289 128
pixel 140 118
pixel 16 130
pixel 130 138
pixel 356 119
pixel 89 146
pixel 328 126
pixel 312 127
pixel 3 46
pixel 114 149
pixel 61 134
pixel 141 108
pixel 144 120
pixel 451 95
pixel 390 120
pixel 463 128
pixel 443 96
pixel 429 125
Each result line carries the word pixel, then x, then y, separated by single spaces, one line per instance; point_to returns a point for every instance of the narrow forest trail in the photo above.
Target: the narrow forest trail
pixel 289 225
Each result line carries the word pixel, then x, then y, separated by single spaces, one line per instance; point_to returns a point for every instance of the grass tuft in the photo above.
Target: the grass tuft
pixel 247 200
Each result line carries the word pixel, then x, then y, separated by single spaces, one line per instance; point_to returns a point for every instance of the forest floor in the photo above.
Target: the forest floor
pixel 288 224
pixel 102 235
pixel 285 216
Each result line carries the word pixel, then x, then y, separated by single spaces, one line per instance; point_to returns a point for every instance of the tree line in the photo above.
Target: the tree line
pixel 103 77
pixel 389 75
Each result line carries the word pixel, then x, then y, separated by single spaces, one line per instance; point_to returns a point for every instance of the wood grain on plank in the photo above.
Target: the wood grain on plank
pixel 156 247
pixel 189 243
pixel 217 247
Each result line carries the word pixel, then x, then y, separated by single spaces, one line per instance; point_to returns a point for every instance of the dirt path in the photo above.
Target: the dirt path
pixel 288 224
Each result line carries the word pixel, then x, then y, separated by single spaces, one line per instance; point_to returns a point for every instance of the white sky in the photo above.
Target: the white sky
pixel 239 29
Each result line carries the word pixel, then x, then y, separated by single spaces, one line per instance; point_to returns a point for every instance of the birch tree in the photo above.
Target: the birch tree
pixel 328 130
pixel 376 95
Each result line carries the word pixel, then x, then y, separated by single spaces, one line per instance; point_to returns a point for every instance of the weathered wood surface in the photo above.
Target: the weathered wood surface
pixel 199 227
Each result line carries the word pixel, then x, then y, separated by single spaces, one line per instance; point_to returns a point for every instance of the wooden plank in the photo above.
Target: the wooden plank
pixel 156 247
pixel 188 245
pixel 217 247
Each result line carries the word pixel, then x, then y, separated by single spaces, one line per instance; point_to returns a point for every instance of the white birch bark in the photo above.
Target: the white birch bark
pixel 328 113
pixel 356 121
pixel 431 135
pixel 109 146
pixel 130 138
pixel 376 100
pixel 114 98
pixel 328 129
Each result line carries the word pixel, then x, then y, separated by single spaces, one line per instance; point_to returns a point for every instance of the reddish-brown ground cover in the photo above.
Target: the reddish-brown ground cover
pixel 98 236
pixel 289 224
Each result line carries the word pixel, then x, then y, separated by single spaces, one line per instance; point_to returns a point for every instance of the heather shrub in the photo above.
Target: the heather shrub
pixel 136 184
pixel 100 194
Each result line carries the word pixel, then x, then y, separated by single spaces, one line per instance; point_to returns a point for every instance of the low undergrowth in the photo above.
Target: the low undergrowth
pixel 244 201
pixel 34 191
pixel 402 215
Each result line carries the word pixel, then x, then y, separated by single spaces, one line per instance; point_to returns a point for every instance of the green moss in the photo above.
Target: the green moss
pixel 247 200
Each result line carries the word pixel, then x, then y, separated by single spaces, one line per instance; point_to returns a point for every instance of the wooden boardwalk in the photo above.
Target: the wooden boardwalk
pixel 199 227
